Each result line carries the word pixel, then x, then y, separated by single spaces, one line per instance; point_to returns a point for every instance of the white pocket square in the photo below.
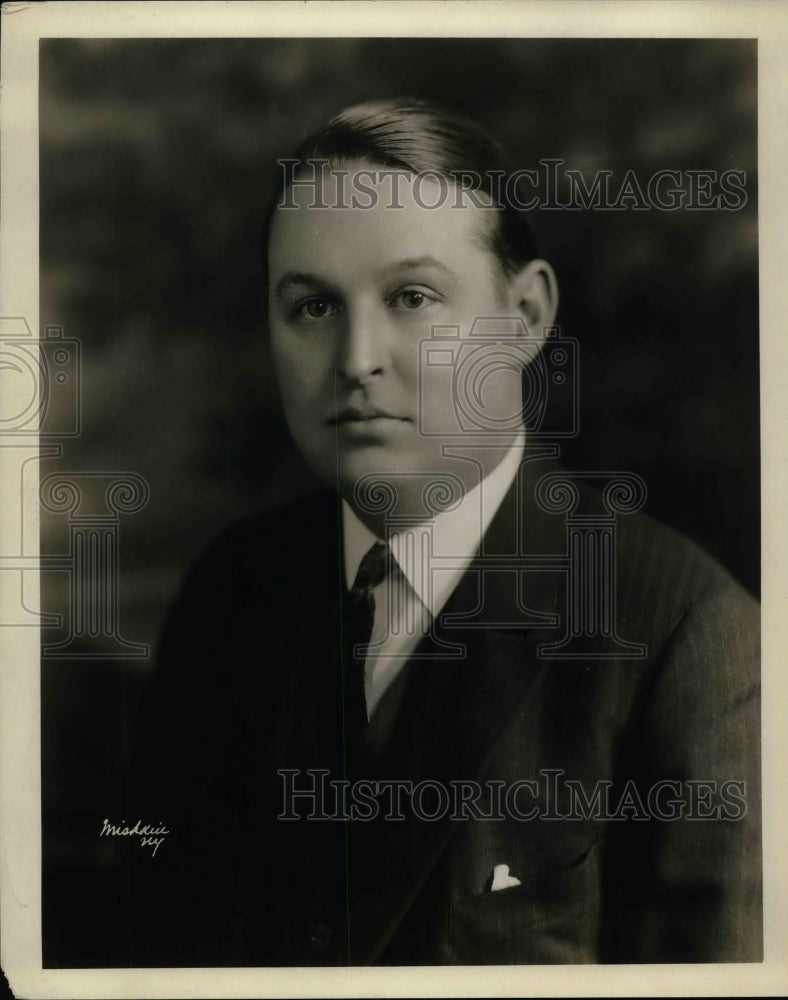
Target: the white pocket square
pixel 502 879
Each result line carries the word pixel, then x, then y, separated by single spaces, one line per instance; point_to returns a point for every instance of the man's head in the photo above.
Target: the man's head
pixel 396 231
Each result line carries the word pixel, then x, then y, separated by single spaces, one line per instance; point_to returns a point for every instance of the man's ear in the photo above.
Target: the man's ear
pixel 533 294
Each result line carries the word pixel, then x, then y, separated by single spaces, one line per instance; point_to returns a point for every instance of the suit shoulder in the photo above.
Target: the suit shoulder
pixel 658 555
pixel 300 522
pixel 258 550
pixel 651 553
pixel 664 578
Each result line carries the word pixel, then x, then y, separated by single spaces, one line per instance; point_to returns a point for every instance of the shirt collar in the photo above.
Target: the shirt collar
pixel 456 535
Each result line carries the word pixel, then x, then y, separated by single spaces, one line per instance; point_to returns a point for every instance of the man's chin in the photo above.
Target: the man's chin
pixel 395 490
pixel 389 480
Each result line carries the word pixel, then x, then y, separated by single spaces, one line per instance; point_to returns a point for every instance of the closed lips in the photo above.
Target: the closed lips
pixel 353 414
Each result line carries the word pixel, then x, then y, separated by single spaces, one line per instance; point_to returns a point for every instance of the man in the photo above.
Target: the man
pixel 492 715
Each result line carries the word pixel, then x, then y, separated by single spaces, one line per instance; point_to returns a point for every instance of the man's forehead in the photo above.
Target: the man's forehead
pixel 362 210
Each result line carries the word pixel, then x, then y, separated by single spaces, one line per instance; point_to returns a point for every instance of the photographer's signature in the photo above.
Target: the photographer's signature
pixel 150 836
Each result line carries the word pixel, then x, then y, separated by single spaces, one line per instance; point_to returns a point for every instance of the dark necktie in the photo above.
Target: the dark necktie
pixel 359 616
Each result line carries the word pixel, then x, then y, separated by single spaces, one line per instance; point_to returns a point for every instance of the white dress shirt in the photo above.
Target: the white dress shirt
pixel 429 560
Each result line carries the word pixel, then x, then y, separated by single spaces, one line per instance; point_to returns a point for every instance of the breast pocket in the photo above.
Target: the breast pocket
pixel 549 919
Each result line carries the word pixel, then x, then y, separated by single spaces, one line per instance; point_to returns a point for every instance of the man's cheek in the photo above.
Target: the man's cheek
pixel 436 410
pixel 301 387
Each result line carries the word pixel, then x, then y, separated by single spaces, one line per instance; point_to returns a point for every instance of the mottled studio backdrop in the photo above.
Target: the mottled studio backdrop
pixel 156 167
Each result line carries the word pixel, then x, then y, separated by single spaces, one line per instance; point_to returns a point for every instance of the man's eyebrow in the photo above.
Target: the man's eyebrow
pixel 298 278
pixel 418 262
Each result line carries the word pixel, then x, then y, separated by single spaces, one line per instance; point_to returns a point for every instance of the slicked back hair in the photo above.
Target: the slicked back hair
pixel 421 137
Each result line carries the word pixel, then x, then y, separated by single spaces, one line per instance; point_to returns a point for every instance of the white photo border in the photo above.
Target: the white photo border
pixel 20 806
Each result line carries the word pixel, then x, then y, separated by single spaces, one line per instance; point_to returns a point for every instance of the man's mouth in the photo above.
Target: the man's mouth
pixel 363 414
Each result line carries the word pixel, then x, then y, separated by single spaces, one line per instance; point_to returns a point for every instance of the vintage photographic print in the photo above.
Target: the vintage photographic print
pixel 387 432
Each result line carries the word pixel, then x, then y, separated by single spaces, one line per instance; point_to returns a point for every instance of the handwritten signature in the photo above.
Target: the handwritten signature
pixel 150 836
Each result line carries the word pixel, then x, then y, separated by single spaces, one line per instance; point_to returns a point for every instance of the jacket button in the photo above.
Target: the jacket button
pixel 320 935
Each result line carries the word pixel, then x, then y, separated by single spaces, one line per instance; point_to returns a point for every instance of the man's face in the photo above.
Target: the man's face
pixel 353 293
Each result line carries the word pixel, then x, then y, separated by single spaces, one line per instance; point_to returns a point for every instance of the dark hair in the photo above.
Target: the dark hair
pixel 419 137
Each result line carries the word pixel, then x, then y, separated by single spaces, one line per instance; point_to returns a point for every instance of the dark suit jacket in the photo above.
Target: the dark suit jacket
pixel 248 683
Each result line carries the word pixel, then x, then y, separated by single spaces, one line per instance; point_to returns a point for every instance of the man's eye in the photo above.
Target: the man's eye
pixel 412 299
pixel 317 308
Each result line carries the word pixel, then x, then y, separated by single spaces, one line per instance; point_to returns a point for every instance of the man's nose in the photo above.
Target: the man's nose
pixel 362 352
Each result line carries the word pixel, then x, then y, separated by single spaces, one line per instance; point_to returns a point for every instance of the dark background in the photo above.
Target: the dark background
pixel 156 166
